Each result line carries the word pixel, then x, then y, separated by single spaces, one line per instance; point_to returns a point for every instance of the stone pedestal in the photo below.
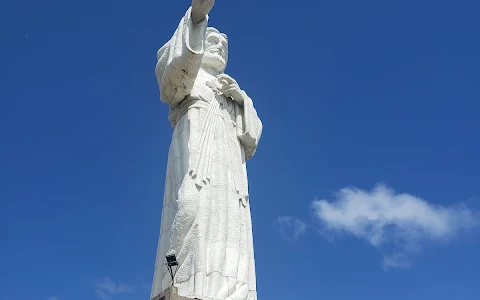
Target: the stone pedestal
pixel 170 294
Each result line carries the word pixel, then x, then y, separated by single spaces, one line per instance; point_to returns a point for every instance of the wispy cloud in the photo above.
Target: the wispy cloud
pixel 291 228
pixel 105 288
pixel 396 224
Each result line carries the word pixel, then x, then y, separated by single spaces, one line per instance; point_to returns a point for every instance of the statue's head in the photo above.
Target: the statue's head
pixel 216 50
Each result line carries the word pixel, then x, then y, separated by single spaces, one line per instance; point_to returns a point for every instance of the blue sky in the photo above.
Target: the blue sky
pixel 366 183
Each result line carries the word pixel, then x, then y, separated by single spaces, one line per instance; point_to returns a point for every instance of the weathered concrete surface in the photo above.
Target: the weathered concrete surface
pixel 170 294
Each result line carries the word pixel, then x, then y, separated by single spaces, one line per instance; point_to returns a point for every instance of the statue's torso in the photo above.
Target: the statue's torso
pixel 202 95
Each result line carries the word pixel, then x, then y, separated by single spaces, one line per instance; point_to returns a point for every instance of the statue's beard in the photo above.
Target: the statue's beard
pixel 214 61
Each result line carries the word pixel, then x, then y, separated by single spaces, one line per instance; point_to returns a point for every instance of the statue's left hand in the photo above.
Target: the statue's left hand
pixel 231 89
pixel 200 9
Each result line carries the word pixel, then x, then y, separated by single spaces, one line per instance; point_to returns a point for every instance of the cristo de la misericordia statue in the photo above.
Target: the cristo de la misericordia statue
pixel 206 223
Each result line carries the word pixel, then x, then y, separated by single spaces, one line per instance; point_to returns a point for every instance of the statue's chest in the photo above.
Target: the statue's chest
pixel 205 91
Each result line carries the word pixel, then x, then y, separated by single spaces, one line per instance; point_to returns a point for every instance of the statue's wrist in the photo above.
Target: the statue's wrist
pixel 197 18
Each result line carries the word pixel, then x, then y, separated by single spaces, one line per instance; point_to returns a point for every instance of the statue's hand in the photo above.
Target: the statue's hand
pixel 200 9
pixel 233 91
pixel 225 79
pixel 230 88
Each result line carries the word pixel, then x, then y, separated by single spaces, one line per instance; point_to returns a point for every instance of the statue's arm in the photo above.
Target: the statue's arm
pixel 200 9
pixel 249 126
pixel 180 60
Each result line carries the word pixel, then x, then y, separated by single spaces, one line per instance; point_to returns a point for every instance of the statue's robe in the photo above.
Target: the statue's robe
pixel 206 218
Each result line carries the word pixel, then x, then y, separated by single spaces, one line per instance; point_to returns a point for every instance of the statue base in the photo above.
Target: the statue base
pixel 170 294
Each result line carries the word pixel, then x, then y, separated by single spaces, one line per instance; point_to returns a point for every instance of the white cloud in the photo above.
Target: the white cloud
pixel 396 260
pixel 105 288
pixel 291 228
pixel 387 220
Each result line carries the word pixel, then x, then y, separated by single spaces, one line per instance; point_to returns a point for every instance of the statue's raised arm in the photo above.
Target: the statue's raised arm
pixel 180 59
pixel 200 9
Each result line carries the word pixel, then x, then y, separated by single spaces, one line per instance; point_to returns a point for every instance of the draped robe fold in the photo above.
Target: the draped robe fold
pixel 206 218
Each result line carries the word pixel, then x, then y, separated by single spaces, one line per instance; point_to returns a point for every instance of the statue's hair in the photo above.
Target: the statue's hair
pixel 212 29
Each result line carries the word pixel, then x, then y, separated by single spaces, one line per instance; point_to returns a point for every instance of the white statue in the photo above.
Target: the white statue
pixel 206 219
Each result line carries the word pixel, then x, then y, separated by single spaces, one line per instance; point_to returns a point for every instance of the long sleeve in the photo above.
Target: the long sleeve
pixel 250 131
pixel 179 60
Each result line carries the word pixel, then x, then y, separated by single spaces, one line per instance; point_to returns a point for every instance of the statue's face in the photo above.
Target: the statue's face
pixel 216 52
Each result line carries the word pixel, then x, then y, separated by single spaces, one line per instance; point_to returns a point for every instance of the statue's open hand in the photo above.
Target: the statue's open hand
pixel 200 9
